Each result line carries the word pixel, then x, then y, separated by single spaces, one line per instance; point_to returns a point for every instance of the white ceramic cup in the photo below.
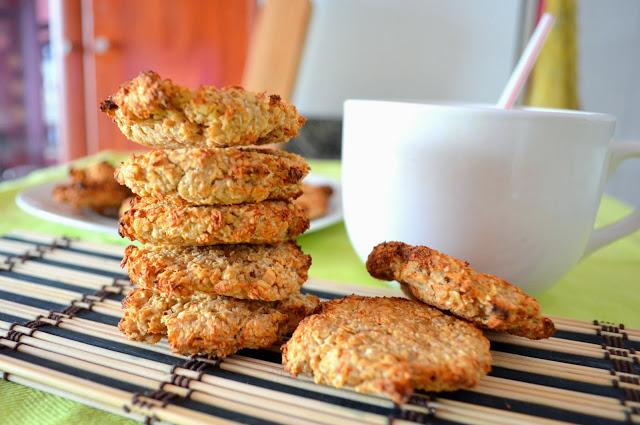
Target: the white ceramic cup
pixel 514 192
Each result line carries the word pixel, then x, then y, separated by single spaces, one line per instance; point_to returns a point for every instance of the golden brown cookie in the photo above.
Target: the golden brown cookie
pixel 452 285
pixel 157 113
pixel 142 315
pixel 213 325
pixel 315 200
pixel 387 345
pixel 181 224
pixel 257 272
pixel 214 176
pixel 92 187
pixel 126 204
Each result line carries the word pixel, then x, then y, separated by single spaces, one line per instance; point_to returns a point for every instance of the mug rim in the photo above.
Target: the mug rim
pixel 490 109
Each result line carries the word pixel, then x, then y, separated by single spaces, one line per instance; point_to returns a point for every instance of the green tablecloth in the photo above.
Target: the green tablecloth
pixel 604 286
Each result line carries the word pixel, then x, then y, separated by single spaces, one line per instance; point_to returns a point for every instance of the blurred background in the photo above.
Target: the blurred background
pixel 60 58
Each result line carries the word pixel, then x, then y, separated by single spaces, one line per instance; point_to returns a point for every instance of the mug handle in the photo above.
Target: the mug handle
pixel 627 225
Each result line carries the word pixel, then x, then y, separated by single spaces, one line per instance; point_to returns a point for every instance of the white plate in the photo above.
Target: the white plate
pixel 37 200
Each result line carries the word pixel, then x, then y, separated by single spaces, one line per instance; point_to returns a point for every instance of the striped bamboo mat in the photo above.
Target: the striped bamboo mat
pixel 60 304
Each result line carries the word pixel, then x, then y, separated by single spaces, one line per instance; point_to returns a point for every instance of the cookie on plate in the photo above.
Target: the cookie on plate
pixel 451 284
pixel 389 346
pixel 158 113
pixel 213 325
pixel 92 187
pixel 315 200
pixel 257 272
pixel 181 224
pixel 214 176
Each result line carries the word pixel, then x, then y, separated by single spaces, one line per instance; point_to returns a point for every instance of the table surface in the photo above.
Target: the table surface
pixel 604 286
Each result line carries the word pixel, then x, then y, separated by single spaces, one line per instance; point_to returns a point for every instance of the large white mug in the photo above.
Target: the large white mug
pixel 514 192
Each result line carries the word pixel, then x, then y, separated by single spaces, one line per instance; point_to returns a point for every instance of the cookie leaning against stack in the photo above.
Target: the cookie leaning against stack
pixel 218 272
pixel 452 285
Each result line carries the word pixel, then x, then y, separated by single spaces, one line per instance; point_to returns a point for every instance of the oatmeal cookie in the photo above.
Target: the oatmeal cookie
pixel 257 272
pixel 92 187
pixel 158 113
pixel 213 325
pixel 214 176
pixel 181 224
pixel 451 284
pixel 315 200
pixel 387 345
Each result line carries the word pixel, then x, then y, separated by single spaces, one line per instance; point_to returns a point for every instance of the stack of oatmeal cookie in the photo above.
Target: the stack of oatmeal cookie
pixel 217 270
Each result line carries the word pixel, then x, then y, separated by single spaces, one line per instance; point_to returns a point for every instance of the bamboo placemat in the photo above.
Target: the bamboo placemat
pixel 60 304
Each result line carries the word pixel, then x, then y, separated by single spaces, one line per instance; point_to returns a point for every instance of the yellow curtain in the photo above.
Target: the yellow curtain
pixel 553 82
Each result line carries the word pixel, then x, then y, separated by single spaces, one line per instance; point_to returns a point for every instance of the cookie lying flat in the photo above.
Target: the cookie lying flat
pixel 258 272
pixel 181 224
pixel 213 325
pixel 142 315
pixel 92 187
pixel 157 113
pixel 214 176
pixel 387 345
pixel 451 284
